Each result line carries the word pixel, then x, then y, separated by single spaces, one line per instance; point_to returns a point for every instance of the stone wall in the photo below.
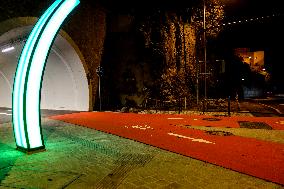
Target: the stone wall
pixel 87 27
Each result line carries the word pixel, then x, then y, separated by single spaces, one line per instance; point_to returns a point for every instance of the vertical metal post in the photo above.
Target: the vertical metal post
pixel 100 99
pixel 197 85
pixel 205 57
pixel 99 71
pixel 184 103
pixel 229 106
pixel 156 105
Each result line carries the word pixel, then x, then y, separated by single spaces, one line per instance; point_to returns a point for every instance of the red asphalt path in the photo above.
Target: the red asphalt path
pixel 254 157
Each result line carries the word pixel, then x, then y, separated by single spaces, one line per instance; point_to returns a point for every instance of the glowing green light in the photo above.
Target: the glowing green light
pixel 28 76
pixel 18 88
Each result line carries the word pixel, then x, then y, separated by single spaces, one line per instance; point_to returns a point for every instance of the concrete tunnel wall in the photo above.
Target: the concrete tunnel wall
pixel 65 85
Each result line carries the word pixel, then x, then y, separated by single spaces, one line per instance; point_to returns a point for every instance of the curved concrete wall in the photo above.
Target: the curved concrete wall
pixel 65 85
pixel 6 88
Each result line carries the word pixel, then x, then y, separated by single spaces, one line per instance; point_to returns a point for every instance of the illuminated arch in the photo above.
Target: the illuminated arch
pixel 29 74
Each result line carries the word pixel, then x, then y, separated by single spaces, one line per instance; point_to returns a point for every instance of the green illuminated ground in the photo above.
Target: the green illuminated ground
pixel 79 157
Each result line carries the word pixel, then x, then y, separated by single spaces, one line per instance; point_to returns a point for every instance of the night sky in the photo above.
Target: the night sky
pixel 259 33
pixel 264 34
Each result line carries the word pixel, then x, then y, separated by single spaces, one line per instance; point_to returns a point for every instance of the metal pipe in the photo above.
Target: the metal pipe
pixel 100 93
pixel 205 57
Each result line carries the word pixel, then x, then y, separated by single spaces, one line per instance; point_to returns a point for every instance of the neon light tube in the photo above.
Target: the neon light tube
pixel 18 87
pixel 29 75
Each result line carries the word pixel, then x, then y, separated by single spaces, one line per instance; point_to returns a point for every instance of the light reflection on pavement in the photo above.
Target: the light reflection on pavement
pixel 6 113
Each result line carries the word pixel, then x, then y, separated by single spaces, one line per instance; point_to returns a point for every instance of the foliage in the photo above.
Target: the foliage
pixel 173 37
pixel 213 17
pixel 173 85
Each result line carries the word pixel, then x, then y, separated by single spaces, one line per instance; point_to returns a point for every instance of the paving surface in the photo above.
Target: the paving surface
pixel 258 158
pixel 79 157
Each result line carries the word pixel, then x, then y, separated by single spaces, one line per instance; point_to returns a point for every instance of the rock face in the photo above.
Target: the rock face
pixel 124 110
pixel 133 110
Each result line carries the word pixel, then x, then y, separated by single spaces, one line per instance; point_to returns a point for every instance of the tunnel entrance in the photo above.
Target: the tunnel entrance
pixel 65 85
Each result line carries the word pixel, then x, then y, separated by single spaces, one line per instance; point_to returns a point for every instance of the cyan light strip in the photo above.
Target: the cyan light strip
pixel 18 88
pixel 29 74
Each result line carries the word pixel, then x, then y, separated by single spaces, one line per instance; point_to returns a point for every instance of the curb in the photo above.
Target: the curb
pixel 278 111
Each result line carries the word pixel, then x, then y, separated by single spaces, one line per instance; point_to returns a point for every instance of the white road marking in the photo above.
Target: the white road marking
pixel 2 113
pixel 140 127
pixel 193 139
pixel 9 110
pixel 175 118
